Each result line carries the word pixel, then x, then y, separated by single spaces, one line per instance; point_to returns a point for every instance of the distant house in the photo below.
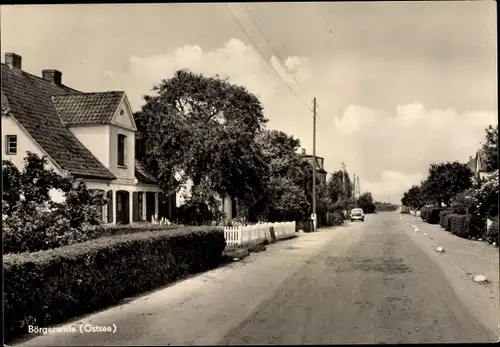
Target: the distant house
pixel 478 167
pixel 320 168
pixel 87 136
pixel 225 205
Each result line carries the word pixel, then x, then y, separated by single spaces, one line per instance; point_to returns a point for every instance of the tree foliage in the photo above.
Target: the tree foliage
pixel 289 179
pixel 413 198
pixel 32 221
pixel 490 149
pixel 205 128
pixel 365 201
pixel 340 188
pixel 445 180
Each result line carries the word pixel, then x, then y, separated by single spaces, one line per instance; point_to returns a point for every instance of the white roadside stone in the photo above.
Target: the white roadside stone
pixel 440 249
pixel 480 279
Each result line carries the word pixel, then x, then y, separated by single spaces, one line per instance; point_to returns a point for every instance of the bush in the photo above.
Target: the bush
pixel 49 287
pixel 337 218
pixel 442 215
pixel 433 215
pixel 33 221
pixel 460 225
pixel 462 202
pixel 447 222
pixel 423 213
pixel 492 234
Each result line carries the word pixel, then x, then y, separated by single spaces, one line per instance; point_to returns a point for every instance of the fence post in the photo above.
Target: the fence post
pixel 240 235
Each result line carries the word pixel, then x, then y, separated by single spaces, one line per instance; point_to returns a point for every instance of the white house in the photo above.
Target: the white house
pixel 477 166
pixel 88 136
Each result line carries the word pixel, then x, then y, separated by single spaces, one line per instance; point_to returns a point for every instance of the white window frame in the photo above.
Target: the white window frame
pixel 8 144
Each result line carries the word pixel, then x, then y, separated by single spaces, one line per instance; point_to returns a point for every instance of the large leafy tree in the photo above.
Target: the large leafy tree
pixel 445 180
pixel 204 129
pixel 413 198
pixel 365 201
pixel 490 148
pixel 340 189
pixel 287 184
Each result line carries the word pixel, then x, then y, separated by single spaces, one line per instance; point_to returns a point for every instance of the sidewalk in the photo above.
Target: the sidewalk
pixel 461 261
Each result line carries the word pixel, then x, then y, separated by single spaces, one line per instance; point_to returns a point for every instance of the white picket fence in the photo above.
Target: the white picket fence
pixel 257 233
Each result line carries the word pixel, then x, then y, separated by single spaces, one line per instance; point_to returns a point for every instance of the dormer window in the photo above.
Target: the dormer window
pixel 121 149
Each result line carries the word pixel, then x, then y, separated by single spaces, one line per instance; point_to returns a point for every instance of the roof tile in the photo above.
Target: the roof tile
pixel 29 100
pixel 87 108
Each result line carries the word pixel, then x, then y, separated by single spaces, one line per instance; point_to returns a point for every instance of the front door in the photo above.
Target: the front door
pixel 150 205
pixel 122 207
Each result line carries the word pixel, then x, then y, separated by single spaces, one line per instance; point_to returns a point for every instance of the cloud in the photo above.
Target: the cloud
pixel 388 148
pixel 391 185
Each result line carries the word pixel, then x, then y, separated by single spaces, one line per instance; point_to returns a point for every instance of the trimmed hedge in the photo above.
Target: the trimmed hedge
pixel 134 228
pixel 442 214
pixel 49 287
pixel 433 215
pixel 447 222
pixel 460 224
pixel 424 212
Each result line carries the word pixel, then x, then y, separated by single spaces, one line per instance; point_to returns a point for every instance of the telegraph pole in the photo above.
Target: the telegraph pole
pixel 344 194
pixel 314 168
pixel 354 192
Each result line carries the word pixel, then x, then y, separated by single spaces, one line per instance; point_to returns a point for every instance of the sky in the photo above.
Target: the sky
pixel 399 85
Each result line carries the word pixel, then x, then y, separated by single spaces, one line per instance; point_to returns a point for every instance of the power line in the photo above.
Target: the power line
pixel 247 35
pixel 274 51
pixel 256 24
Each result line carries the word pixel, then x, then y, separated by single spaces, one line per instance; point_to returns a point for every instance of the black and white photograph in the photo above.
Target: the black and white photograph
pixel 259 173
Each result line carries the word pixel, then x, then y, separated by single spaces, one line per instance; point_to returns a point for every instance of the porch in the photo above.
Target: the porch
pixel 135 206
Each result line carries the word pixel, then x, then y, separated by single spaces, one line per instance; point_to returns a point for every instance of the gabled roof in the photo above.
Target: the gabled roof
pixel 87 108
pixel 142 175
pixel 480 160
pixel 29 101
pixel 471 164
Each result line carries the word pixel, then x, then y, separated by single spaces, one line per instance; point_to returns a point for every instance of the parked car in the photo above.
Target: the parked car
pixel 357 214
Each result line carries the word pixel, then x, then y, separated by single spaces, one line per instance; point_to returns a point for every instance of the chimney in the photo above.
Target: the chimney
pixel 303 151
pixel 53 76
pixel 13 60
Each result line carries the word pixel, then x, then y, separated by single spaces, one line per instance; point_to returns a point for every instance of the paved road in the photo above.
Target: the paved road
pixel 361 283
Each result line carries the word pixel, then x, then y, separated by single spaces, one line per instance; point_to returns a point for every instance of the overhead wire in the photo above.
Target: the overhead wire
pixel 248 36
pixel 268 41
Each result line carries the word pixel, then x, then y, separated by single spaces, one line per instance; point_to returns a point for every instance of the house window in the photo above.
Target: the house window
pixel 11 144
pixel 121 149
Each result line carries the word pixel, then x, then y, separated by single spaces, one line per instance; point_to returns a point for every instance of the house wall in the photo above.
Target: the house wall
pixel 97 139
pixel 26 144
pixel 123 115
pixel 128 172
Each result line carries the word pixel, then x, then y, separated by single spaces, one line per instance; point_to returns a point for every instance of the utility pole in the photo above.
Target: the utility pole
pixel 354 190
pixel 344 194
pixel 315 218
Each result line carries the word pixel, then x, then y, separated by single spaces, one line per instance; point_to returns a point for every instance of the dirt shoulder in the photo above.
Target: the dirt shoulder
pixel 461 261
